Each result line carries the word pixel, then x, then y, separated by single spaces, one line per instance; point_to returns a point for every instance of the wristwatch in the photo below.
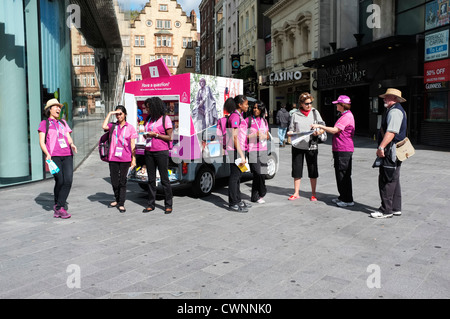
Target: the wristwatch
pixel 380 148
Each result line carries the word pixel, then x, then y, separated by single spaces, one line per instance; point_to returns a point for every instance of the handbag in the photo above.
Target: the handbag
pixel 322 138
pixel 404 149
pixel 104 144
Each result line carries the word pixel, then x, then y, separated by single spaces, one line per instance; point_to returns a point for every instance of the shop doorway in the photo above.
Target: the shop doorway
pixel 360 97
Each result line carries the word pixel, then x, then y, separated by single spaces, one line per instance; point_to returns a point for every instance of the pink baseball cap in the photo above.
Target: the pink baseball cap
pixel 343 99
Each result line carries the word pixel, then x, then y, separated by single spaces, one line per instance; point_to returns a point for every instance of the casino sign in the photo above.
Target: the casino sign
pixel 285 76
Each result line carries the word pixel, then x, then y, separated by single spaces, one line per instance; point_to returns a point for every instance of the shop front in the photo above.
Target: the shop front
pixel 365 72
pixel 435 126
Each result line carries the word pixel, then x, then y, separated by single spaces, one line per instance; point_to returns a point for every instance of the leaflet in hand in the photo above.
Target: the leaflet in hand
pixel 301 136
pixel 243 167
pixel 52 167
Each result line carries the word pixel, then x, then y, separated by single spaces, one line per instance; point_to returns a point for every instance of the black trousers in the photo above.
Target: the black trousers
pixel 258 166
pixel 158 160
pixel 118 172
pixel 390 191
pixel 234 182
pixel 63 179
pixel 343 172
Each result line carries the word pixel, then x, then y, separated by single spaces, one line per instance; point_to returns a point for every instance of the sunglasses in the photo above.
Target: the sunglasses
pixel 310 103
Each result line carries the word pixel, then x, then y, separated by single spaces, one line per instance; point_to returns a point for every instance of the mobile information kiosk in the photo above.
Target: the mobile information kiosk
pixel 194 103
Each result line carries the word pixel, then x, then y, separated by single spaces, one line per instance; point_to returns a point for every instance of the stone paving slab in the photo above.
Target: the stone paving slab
pixel 279 250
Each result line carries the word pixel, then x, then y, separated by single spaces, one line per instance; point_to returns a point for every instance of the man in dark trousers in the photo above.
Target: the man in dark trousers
pixel 392 131
pixel 283 119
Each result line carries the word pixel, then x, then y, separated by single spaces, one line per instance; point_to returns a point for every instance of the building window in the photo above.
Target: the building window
pixel 92 80
pixel 149 23
pixel 92 59
pixel 291 39
pixel 126 40
pixel 175 61
pixel 85 60
pixel 163 24
pixel 219 39
pixel 152 58
pixel 77 81
pixel 247 22
pixel 219 68
pixel 85 81
pixel 280 52
pixel 187 43
pixel 137 60
pixel 139 41
pixel 163 7
pixel 177 24
pixel 189 61
pixel 138 77
pixel 163 41
pixel 76 60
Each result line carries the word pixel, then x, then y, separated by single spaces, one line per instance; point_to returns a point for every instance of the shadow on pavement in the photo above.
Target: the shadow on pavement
pixel 46 200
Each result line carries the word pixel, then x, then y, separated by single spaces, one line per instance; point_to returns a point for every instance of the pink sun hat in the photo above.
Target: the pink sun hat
pixel 343 99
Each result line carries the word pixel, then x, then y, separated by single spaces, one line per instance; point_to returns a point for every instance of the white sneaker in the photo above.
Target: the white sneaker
pixel 261 201
pixel 335 200
pixel 344 204
pixel 397 213
pixel 380 215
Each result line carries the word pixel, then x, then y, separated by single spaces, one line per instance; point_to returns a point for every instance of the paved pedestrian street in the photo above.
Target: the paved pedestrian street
pixel 278 250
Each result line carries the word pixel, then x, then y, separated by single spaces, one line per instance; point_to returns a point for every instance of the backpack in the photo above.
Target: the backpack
pixel 164 126
pixel 104 143
pixel 228 126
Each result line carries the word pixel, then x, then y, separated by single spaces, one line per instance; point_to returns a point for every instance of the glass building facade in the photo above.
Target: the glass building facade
pixel 35 66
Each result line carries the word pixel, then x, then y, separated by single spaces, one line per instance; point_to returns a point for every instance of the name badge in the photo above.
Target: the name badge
pixel 148 143
pixel 119 151
pixel 62 143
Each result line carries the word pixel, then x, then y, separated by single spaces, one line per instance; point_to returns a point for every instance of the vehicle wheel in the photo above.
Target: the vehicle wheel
pixel 144 186
pixel 272 165
pixel 204 182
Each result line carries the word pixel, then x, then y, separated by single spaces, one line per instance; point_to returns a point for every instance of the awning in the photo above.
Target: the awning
pixel 372 48
pixel 99 24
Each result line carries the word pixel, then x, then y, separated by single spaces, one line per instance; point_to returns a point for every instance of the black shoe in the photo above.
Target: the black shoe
pixel 148 210
pixel 110 205
pixel 168 210
pixel 244 204
pixel 121 209
pixel 239 209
